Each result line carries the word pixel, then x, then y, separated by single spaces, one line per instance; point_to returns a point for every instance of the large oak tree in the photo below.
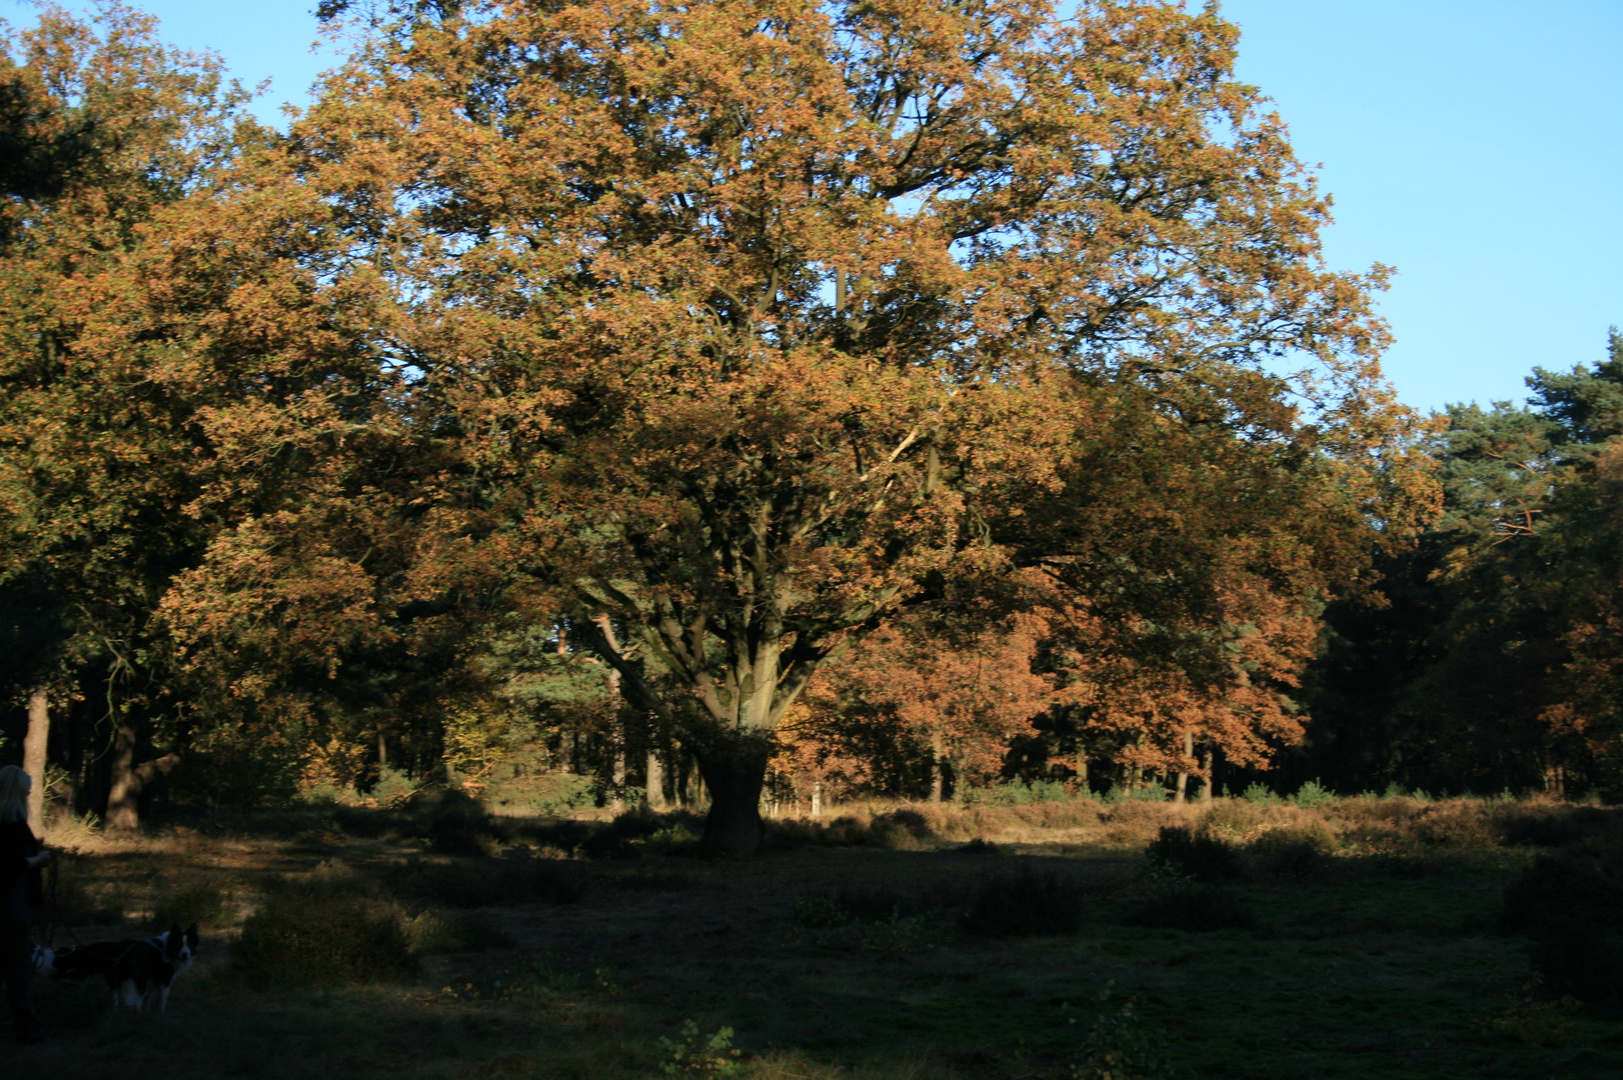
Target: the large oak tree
pixel 751 315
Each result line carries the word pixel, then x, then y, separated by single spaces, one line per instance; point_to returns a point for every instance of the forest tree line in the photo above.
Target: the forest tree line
pixel 843 397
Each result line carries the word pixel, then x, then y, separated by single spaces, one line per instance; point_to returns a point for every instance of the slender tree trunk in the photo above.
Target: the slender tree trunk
pixel 1182 794
pixel 938 769
pixel 654 780
pixel 617 729
pixel 735 772
pixel 1204 792
pixel 34 744
pixel 617 774
pixel 1082 774
pixel 383 753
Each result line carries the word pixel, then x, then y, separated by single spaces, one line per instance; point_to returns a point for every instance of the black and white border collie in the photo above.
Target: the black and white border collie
pixel 137 971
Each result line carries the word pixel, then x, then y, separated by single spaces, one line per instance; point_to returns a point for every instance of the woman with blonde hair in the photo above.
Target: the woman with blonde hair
pixel 20 854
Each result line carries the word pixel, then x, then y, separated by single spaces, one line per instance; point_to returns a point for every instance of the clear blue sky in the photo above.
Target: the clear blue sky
pixel 1476 145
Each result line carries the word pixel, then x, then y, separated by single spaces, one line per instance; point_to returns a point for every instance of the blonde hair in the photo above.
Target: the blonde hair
pixel 14 785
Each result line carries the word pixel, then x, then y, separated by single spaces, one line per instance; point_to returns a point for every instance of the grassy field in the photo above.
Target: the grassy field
pixel 1355 939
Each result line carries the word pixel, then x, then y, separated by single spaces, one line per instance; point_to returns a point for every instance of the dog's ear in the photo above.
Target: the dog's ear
pixel 173 943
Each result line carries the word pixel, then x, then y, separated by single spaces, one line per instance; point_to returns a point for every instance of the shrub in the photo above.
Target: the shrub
pixel 1025 903
pixel 1552 824
pixel 1183 853
pixel 434 930
pixel 1261 795
pixel 393 787
pixel 1190 905
pixel 1573 908
pixel 978 846
pixel 1294 852
pixel 867 917
pixel 1568 889
pixel 845 832
pixel 1580 956
pixel 330 929
pixel 454 822
pixel 900 830
pixel 697 1054
pixel 1533 1020
pixel 1120 1046
pixel 1312 795
pixel 566 835
pixel 1459 823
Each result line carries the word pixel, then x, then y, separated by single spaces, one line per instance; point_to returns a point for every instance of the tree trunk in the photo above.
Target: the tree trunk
pixel 617 773
pixel 129 779
pixel 34 743
pixel 735 775
pixel 1204 792
pixel 617 725
pixel 1182 794
pixel 654 781
pixel 938 770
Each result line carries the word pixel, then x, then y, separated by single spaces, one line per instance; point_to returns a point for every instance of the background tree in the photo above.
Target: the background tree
pixel 931 702
pixel 106 126
pixel 1470 676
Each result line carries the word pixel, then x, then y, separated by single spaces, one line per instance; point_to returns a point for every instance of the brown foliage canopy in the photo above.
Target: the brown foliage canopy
pixel 745 318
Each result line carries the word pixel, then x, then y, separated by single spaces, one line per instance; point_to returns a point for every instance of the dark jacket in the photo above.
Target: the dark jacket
pixel 20 890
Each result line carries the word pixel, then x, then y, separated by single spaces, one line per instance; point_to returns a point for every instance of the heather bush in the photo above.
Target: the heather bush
pixel 435 930
pixel 900 830
pixel 332 928
pixel 1580 955
pixel 1549 824
pixel 1564 888
pixel 1572 907
pixel 1456 823
pixel 1294 852
pixel 1027 902
pixel 1183 853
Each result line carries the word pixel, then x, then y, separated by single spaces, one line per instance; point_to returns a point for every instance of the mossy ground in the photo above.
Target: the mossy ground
pixel 1383 959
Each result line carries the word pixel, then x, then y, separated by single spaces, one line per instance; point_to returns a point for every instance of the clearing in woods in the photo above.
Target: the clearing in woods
pixel 1356 940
